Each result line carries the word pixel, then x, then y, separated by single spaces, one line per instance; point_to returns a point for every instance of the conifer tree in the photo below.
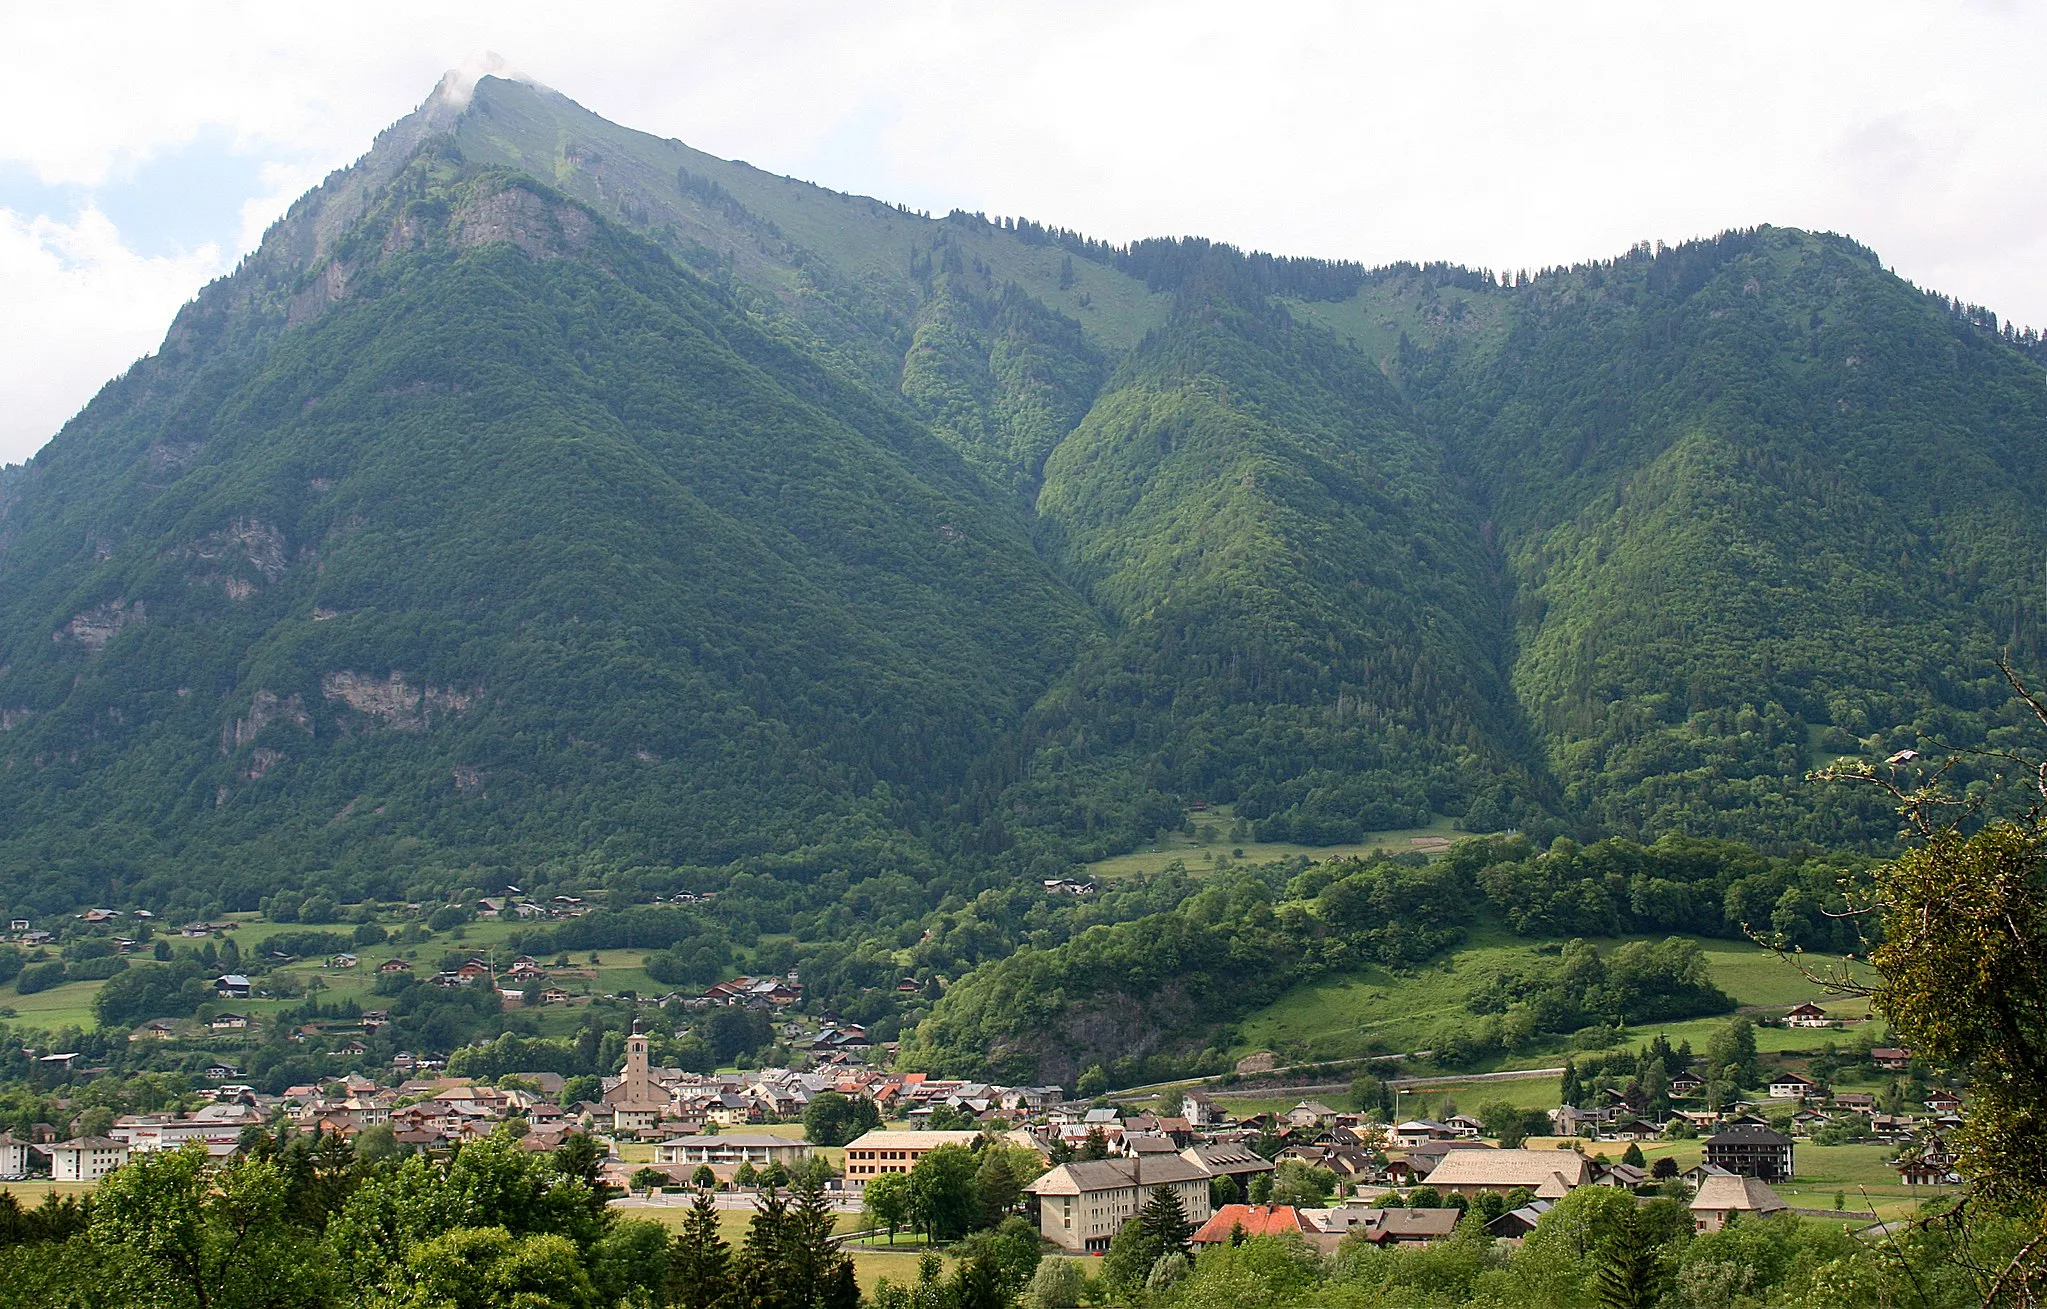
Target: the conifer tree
pixel 1164 1225
pixel 701 1261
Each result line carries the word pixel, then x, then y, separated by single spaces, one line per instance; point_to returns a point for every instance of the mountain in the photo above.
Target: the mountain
pixel 545 501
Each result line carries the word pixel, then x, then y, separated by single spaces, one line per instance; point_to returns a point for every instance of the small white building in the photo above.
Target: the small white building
pixel 757 1148
pixel 85 1158
pixel 13 1156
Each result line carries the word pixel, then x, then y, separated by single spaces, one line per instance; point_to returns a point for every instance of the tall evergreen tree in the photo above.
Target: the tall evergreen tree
pixel 701 1262
pixel 1631 1274
pixel 1164 1224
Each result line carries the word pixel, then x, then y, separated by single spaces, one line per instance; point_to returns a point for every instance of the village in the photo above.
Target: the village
pixel 1326 1173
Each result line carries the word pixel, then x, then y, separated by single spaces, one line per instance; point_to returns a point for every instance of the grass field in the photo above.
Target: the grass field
pixel 1376 1010
pixel 1201 853
pixel 615 971
pixel 869 1266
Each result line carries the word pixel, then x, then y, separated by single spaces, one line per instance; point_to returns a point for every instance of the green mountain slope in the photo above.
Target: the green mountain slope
pixel 1762 502
pixel 546 494
pixel 526 545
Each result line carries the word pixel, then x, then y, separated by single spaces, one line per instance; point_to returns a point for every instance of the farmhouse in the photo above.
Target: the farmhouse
pixel 1807 1015
pixel 1720 1198
pixel 1547 1173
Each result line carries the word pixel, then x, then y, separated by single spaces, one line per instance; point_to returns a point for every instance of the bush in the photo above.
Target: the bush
pixel 449 916
pixel 39 977
pixel 371 934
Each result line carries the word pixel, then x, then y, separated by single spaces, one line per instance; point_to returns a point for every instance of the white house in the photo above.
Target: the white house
pixel 1790 1086
pixel 85 1159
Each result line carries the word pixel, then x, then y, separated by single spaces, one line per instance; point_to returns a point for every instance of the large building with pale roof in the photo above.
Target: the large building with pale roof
pixel 1546 1173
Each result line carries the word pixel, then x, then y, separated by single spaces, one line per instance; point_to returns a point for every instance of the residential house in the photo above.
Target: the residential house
pixel 344 960
pixel 231 986
pixel 1749 1150
pixel 156 1029
pixel 1309 1113
pixel 1419 1131
pixel 1720 1198
pixel 1790 1086
pixel 85 1158
pixel 1807 1015
pixel 1409 1226
pixel 1238 1162
pixel 1686 1084
pixel 228 1022
pixel 390 966
pixel 1518 1223
pixel 1083 1204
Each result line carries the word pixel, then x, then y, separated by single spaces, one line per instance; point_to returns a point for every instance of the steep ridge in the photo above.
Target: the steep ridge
pixel 526 545
pixel 1764 503
pixel 1308 619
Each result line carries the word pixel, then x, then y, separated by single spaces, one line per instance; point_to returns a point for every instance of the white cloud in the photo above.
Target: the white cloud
pixel 1493 133
pixel 80 307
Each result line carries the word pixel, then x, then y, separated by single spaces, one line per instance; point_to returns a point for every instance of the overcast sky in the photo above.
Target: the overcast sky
pixel 144 148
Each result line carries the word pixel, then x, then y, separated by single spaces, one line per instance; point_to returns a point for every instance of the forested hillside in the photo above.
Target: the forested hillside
pixel 545 501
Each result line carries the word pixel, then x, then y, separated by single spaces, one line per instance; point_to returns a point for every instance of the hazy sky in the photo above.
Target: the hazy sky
pixel 143 148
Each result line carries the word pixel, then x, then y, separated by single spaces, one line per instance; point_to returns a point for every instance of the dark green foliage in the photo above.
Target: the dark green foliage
pixel 834 1119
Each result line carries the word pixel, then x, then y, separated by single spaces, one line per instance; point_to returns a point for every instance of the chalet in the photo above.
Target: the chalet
pixel 554 995
pixel 1633 1129
pixel 1942 1102
pixel 473 970
pixel 156 1029
pixel 17 924
pixel 344 960
pixel 1807 1015
pixel 1309 1113
pixel 1860 1102
pixel 228 1022
pixel 100 915
pixel 232 986
pixel 85 1158
pixel 1790 1086
pixel 392 966
pixel 37 938
pixel 1749 1150
pixel 1928 1168
pixel 1891 1059
pixel 1083 1204
pixel 1419 1131
pixel 1068 886
pixel 1465 1125
pixel 1721 1198
pixel 222 1072
pixel 1685 1085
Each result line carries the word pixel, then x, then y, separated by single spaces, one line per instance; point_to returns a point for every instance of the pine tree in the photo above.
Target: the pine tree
pixel 811 1258
pixel 699 1266
pixel 1164 1225
pixel 1573 1090
pixel 1630 1274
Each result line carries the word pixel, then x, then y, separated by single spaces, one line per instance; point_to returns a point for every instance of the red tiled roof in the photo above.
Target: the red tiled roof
pixel 1255 1219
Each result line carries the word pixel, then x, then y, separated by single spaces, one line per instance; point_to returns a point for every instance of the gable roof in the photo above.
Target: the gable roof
pixel 1083 1176
pixel 1254 1219
pixel 1536 1169
pixel 1736 1193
